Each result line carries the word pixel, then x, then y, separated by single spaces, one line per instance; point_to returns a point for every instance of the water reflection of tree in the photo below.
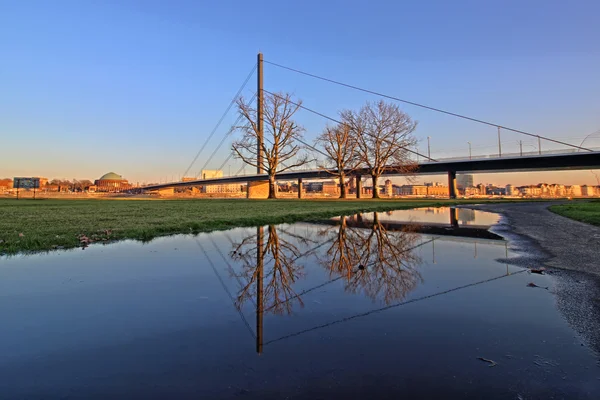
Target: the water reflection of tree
pixel 270 269
pixel 374 260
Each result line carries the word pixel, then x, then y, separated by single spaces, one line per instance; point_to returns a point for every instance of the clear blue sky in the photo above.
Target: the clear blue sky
pixel 135 87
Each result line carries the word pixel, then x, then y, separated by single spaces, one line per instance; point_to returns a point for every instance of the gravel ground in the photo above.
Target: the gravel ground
pixel 569 249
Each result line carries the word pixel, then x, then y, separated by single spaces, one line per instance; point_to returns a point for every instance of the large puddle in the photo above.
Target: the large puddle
pixel 417 303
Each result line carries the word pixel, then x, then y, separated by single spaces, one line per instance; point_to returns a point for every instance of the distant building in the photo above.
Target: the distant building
pixel 472 191
pixel 6 184
pixel 464 181
pixel 422 190
pixel 389 189
pixel 510 190
pixel 495 191
pixel 576 190
pixel 111 182
pixel 211 174
pixel 531 191
pixel 588 191
pixel 223 188
pixel 331 187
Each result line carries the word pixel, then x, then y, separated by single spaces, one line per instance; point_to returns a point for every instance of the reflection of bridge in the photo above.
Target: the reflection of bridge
pixel 451 229
pixel 383 260
pixel 570 156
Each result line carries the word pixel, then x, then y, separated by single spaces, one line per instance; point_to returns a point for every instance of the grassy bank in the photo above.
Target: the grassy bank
pixel 588 212
pixel 28 225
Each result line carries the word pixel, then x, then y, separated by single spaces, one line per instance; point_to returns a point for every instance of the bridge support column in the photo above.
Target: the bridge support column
pixel 166 192
pixel 258 190
pixel 300 188
pixel 454 217
pixel 358 186
pixel 452 184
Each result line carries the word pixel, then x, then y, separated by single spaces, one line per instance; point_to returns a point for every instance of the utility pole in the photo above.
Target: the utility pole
pixel 259 113
pixel 428 149
pixel 499 144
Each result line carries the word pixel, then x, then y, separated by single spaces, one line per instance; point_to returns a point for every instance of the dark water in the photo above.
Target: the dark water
pixel 366 307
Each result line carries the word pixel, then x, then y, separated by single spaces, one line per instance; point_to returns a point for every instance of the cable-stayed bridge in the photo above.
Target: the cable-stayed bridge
pixel 544 154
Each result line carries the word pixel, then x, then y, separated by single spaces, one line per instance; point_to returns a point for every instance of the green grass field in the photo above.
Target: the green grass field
pixel 39 225
pixel 588 212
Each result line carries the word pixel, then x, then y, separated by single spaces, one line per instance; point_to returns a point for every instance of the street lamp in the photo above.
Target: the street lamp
pixel 521 147
pixel 521 144
pixel 584 139
pixel 428 149
pixel 470 151
pixel 499 144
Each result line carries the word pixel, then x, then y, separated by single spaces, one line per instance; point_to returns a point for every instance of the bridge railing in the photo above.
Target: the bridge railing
pixel 512 155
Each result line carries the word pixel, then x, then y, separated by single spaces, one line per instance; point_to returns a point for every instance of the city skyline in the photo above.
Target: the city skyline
pixel 141 95
pixel 484 179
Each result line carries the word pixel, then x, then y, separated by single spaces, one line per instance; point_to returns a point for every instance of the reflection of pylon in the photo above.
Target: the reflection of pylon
pixel 259 289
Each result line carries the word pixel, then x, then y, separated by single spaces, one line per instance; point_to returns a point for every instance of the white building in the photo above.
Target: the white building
pixel 222 188
pixel 510 190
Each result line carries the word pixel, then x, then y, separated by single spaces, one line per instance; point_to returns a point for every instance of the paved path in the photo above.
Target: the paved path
pixel 567 244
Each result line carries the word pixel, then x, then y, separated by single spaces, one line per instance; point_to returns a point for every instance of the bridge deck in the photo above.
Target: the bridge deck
pixel 544 162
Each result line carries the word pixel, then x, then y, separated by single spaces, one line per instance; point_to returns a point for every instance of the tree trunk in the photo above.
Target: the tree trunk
pixel 375 188
pixel 342 186
pixel 272 191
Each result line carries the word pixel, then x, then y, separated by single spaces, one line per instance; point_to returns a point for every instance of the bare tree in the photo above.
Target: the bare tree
pixel 339 143
pixel 281 137
pixel 382 133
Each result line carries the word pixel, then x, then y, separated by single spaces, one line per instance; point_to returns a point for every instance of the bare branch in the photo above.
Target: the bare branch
pixel 382 135
pixel 280 137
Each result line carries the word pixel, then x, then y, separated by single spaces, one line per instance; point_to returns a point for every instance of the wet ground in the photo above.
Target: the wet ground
pixel 373 305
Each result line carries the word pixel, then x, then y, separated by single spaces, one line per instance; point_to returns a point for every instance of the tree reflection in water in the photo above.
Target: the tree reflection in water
pixel 270 269
pixel 376 261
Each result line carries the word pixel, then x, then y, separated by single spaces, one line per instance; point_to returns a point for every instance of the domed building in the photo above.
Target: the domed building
pixel 111 182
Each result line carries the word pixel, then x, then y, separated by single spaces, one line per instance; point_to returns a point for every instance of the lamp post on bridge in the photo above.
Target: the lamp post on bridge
pixel 470 157
pixel 521 147
pixel 526 144
pixel 499 144
pixel 428 149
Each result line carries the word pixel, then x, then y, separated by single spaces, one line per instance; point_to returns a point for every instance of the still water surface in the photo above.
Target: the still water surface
pixel 366 306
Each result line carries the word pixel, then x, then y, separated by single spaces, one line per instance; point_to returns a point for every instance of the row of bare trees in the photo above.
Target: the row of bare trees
pixel 375 139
